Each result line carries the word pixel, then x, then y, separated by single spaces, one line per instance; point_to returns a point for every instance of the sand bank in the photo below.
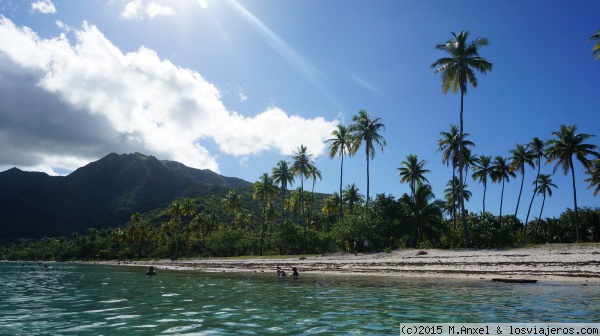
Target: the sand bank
pixel 554 262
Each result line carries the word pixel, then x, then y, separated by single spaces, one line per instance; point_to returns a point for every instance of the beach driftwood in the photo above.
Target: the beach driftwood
pixel 514 280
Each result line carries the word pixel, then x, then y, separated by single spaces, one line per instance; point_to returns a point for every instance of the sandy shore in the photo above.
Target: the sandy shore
pixel 556 262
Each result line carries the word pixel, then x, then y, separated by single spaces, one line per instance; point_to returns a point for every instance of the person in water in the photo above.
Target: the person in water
pixel 151 271
pixel 294 272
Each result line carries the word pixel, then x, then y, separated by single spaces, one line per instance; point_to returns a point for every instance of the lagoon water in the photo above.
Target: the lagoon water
pixel 76 299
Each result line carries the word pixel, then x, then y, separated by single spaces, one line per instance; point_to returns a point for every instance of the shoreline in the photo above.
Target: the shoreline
pixel 545 263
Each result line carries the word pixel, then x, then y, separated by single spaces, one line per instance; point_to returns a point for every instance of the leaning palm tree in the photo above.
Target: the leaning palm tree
pixel 283 176
pixel 501 174
pixel 562 149
pixel 596 48
pixel 594 179
pixel 264 189
pixel 538 151
pixel 449 145
pixel 422 215
pixel 457 71
pixel 352 197
pixel 482 170
pixel 365 129
pixel 340 145
pixel 543 186
pixel 521 156
pixel 302 160
pixel 412 172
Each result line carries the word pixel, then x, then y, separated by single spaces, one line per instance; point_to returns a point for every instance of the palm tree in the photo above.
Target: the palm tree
pixel 482 170
pixel 458 71
pixel 596 48
pixel 331 205
pixel 594 173
pixel 233 202
pixel 340 145
pixel 176 212
pixel 562 149
pixel 412 171
pixel 449 145
pixel 521 156
pixel 263 190
pixel 450 194
pixel 422 214
pixel 301 162
pixel 367 130
pixel 283 176
pixel 314 173
pixel 501 174
pixel 537 149
pixel 352 197
pixel 543 186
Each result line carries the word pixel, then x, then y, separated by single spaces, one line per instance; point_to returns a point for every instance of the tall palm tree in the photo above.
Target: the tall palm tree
pixel 301 160
pixel 594 179
pixel 596 47
pixel 283 175
pixel 412 171
pixel 501 174
pixel 264 189
pixel 422 215
pixel 233 202
pixel 536 146
pixel 449 145
pixel 314 173
pixel 562 149
pixel 340 145
pixel 176 212
pixel 352 197
pixel 367 130
pixel 543 186
pixel 457 71
pixel 482 170
pixel 521 156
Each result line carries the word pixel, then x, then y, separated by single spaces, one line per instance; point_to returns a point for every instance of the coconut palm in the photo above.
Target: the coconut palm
pixel 352 197
pixel 457 72
pixel 301 161
pixel 594 173
pixel 502 174
pixel 264 189
pixel 596 47
pixel 340 145
pixel 543 186
pixel 367 130
pixel 562 149
pixel 176 212
pixel 521 156
pixel 450 195
pixel 412 171
pixel 536 146
pixel 449 145
pixel 314 173
pixel 422 215
pixel 282 175
pixel 482 170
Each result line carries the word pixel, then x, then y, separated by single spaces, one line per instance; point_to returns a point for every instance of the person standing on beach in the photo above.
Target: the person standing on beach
pixel 355 247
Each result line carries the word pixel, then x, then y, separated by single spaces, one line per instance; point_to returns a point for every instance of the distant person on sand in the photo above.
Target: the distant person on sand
pixel 355 247
pixel 151 271
pixel 294 272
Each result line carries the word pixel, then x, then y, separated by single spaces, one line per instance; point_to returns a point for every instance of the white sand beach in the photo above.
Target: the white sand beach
pixel 555 262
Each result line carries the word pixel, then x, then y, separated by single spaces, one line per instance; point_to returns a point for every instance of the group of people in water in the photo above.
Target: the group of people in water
pixel 282 273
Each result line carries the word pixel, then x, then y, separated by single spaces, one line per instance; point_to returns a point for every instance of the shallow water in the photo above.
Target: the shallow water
pixel 72 299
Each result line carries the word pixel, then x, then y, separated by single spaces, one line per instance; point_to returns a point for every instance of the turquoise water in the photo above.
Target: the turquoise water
pixel 72 299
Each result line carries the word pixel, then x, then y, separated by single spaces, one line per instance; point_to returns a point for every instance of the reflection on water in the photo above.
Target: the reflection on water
pixel 70 299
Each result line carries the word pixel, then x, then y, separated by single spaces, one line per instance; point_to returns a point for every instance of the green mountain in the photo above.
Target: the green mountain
pixel 104 193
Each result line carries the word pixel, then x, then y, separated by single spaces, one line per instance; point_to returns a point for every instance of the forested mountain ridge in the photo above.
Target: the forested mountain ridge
pixel 104 193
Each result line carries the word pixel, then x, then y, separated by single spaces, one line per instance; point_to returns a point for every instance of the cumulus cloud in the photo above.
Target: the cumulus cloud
pixel 44 6
pixel 64 103
pixel 137 9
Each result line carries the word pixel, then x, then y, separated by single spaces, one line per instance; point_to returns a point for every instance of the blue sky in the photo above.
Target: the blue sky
pixel 235 85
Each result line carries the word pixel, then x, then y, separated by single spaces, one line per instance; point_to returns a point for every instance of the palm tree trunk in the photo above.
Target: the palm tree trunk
pixel 302 211
pixel 531 202
pixel 484 190
pixel 501 199
pixel 575 202
pixel 461 181
pixel 540 217
pixel 453 194
pixel 520 192
pixel 341 177
pixel 262 229
pixel 367 151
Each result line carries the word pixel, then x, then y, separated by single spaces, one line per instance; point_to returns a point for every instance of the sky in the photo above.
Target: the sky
pixel 236 85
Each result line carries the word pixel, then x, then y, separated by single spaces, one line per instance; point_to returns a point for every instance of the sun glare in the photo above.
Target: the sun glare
pixel 203 4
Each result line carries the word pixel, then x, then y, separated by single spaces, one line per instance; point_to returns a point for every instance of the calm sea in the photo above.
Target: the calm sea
pixel 74 299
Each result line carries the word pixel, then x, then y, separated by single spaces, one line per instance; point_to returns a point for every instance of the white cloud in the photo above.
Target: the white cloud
pixel 64 103
pixel 44 6
pixel 136 9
